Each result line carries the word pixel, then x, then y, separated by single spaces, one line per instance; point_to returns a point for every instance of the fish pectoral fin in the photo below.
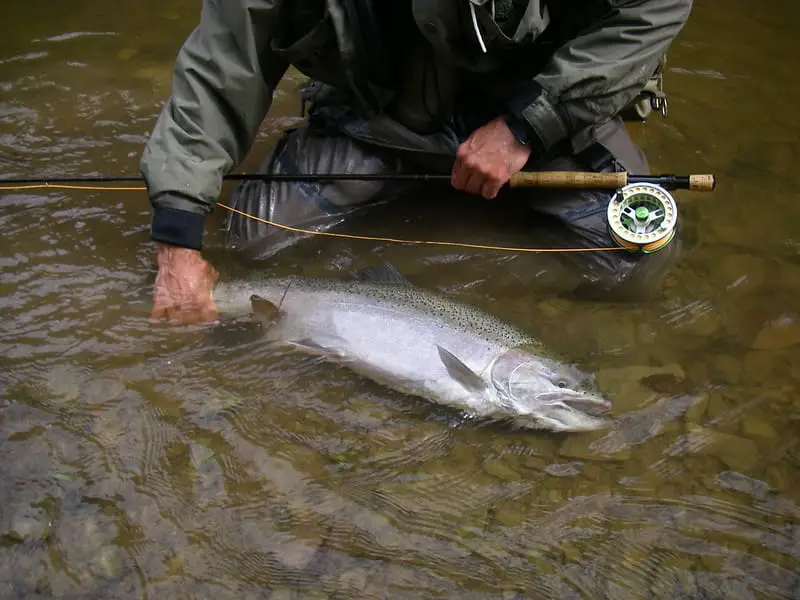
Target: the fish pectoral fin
pixel 461 372
pixel 328 348
pixel 385 273
pixel 263 308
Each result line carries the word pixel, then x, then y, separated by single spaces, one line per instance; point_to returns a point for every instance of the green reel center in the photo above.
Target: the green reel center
pixel 642 217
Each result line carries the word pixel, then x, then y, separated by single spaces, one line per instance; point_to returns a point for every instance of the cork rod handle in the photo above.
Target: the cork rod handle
pixel 569 179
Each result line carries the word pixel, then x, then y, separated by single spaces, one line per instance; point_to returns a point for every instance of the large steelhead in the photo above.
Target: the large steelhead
pixel 421 343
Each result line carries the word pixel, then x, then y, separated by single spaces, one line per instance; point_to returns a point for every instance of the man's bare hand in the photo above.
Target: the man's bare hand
pixel 183 287
pixel 487 159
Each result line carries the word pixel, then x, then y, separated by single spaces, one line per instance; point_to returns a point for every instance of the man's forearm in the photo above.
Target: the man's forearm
pixel 222 88
pixel 594 76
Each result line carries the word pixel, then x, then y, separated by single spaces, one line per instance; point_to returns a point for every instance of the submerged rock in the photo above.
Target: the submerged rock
pixel 740 273
pixel 781 333
pixel 738 453
pixel 639 426
pixel 583 447
pixel 725 368
pixel 632 386
pixel 29 524
pixel 298 553
pixel 500 469
pixel 127 53
pixel 757 426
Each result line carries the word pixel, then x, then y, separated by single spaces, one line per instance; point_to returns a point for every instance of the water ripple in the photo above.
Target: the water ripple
pixel 141 459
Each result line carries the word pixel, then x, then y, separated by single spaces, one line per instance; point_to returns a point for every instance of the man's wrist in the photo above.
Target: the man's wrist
pixel 176 259
pixel 534 121
pixel 519 127
pixel 176 227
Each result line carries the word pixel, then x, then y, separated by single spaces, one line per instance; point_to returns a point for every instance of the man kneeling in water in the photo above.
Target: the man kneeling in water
pixel 480 89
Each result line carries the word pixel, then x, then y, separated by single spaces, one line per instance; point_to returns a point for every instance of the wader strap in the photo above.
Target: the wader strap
pixel 609 146
pixel 598 158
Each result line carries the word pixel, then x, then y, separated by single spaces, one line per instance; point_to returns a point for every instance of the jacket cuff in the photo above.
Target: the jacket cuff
pixel 178 227
pixel 535 121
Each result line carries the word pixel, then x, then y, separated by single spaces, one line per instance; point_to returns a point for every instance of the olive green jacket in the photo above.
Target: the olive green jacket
pixel 228 68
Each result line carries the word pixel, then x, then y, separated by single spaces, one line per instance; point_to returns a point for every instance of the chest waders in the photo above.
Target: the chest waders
pixel 418 130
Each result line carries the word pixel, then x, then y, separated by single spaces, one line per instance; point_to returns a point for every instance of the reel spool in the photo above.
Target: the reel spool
pixel 642 217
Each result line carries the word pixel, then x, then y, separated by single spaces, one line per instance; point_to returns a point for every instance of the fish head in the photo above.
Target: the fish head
pixel 547 393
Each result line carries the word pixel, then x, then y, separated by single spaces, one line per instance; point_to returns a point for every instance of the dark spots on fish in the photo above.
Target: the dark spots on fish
pixel 449 311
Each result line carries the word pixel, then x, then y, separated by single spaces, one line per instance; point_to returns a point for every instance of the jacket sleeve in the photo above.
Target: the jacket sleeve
pixel 595 75
pixel 223 80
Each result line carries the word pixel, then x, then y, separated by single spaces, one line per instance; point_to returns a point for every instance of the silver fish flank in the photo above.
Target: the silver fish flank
pixel 424 344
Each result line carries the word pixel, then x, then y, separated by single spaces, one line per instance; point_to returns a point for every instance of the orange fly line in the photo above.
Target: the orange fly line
pixel 347 236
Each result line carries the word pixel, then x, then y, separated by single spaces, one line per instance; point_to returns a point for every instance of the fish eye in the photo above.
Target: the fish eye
pixel 562 383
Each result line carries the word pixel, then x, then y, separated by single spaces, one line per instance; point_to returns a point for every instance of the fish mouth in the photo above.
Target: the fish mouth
pixel 566 411
pixel 589 404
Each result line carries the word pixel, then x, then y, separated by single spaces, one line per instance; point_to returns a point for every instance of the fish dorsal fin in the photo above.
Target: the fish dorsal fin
pixel 385 273
pixel 263 308
pixel 461 372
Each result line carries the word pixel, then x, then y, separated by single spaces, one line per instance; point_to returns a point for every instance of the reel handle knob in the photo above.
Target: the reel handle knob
pixel 702 183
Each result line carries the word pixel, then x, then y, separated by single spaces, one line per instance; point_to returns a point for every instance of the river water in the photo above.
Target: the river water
pixel 147 461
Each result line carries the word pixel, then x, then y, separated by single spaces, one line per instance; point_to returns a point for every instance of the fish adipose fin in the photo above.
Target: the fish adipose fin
pixel 461 372
pixel 385 273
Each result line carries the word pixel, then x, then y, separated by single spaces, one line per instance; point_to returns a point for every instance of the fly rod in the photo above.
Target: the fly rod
pixel 531 179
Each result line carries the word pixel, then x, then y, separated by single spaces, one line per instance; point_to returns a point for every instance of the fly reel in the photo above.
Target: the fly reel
pixel 642 217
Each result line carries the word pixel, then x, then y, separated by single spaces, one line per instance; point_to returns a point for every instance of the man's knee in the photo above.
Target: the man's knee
pixel 582 213
pixel 317 205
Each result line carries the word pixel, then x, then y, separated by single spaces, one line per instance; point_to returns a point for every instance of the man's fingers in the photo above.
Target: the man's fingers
pixel 491 186
pixel 460 175
pixel 188 314
pixel 181 316
pixel 475 182
pixel 209 314
pixel 471 176
pixel 212 274
pixel 192 316
pixel 468 175
pixel 161 305
pixel 487 158
pixel 488 190
pixel 184 287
